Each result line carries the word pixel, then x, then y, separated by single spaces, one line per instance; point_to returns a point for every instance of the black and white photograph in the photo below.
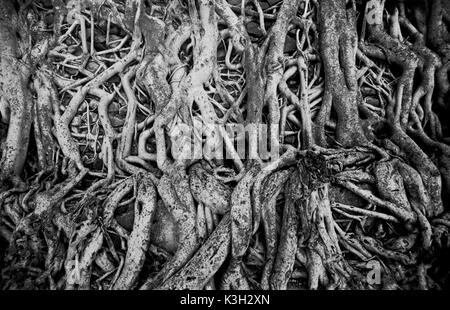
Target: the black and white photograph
pixel 211 146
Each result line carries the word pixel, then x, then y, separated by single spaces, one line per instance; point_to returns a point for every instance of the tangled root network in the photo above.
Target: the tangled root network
pixel 226 144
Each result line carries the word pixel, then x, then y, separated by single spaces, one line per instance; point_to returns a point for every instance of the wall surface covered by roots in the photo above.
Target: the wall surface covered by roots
pixel 224 144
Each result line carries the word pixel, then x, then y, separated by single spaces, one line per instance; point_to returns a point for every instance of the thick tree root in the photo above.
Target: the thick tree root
pixel 206 261
pixel 139 238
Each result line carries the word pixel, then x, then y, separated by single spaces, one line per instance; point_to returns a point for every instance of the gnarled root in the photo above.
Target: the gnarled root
pixel 337 37
pixel 241 229
pixel 139 239
pixel 325 264
pixel 177 197
pixel 14 76
pixel 272 188
pixel 206 261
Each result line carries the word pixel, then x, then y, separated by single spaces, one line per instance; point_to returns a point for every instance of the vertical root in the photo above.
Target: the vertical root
pixel 139 239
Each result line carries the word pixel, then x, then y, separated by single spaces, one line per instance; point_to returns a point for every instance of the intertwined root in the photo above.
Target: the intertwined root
pixel 307 216
pixel 101 187
pixel 326 264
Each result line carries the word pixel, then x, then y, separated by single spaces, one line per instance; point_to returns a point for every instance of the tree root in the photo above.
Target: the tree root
pixel 139 239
